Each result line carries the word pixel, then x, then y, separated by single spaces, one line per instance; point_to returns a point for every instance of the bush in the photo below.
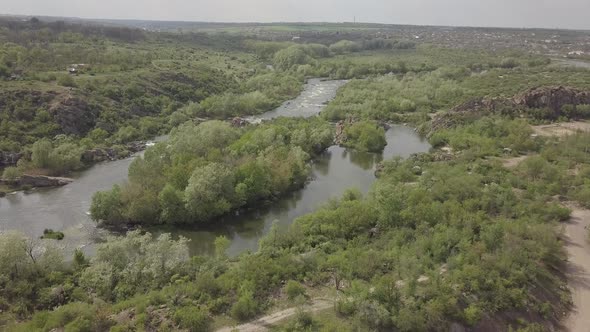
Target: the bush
pixel 245 308
pixel 192 318
pixel 51 234
pixel 294 289
pixel 57 159
pixel 11 173
pixel 365 136
pixel 66 80
pixel 106 206
pixel 287 58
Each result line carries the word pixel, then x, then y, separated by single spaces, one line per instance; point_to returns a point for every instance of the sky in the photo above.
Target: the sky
pixel 571 14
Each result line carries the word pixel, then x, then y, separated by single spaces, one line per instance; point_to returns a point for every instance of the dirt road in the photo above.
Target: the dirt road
pixel 263 323
pixel 578 269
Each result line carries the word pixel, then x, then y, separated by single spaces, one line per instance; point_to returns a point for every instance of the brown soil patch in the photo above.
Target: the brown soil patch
pixel 513 162
pixel 561 129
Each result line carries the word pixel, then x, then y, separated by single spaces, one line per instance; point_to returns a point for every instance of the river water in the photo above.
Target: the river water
pixel 66 208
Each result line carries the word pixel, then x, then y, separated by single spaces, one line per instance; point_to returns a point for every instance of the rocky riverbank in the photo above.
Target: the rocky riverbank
pixel 89 156
pixel 37 181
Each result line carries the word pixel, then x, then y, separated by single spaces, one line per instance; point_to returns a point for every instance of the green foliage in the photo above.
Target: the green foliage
pixel 194 319
pixel 230 104
pixel 287 58
pixel 66 80
pixel 51 234
pixel 294 290
pixel 365 136
pixel 209 192
pixel 222 243
pixel 210 169
pixel 434 242
pixel 245 307
pixel 11 173
pixel 488 137
pixel 106 206
pixel 345 46
pixel 135 263
pixel 58 158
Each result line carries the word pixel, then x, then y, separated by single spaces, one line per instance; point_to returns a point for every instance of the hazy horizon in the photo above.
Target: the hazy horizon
pixel 566 14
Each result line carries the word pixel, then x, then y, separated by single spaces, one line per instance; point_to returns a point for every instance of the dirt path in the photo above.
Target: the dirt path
pixel 578 269
pixel 263 323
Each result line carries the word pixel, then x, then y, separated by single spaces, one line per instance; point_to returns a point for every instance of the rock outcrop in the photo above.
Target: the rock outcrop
pixel 73 114
pixel 9 158
pixel 37 181
pixel 111 154
pixel 340 135
pixel 529 102
pixel 238 122
pixel 98 155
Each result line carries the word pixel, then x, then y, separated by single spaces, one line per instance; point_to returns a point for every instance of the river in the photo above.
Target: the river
pixel 65 208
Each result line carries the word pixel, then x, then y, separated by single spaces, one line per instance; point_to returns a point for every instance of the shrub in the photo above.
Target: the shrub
pixel 106 206
pixel 51 234
pixel 294 289
pixel 192 318
pixel 245 308
pixel 11 173
pixel 66 80
pixel 365 136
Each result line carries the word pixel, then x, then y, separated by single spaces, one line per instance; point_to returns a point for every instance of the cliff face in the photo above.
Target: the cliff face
pixel 553 98
pixel 73 114
pixel 550 99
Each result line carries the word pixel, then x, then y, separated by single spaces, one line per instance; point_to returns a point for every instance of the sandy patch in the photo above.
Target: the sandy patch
pixel 578 268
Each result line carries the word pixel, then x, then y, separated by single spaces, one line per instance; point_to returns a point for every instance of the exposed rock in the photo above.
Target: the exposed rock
pixel 136 146
pixel 553 98
pixel 58 295
pixel 9 158
pixel 38 181
pixel 73 114
pixel 340 136
pixel 98 155
pixel 546 98
pixel 238 122
pixel 374 232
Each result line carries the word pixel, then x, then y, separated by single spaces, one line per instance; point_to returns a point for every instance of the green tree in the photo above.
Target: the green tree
pixel 107 206
pixel 195 319
pixel 222 243
pixel 210 192
pixel 286 58
pixel 294 290
pixel 172 204
pixel 365 136
pixel 41 152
